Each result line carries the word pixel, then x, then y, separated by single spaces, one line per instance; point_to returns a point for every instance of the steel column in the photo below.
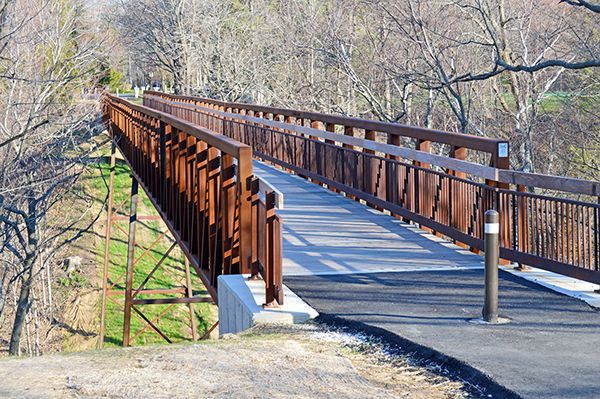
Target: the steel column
pixel 130 260
pixel 107 245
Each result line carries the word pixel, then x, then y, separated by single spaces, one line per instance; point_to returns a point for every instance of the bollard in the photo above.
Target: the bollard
pixel 492 233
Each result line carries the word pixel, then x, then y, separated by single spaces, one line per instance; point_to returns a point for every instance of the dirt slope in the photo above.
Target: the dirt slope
pixel 304 362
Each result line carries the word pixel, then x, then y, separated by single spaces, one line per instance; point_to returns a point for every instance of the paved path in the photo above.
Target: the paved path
pixel 327 233
pixel 361 268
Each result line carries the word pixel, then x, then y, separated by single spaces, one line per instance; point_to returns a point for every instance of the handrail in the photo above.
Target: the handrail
pixel 478 143
pixel 555 234
pixel 200 182
pixel 558 183
pixel 498 150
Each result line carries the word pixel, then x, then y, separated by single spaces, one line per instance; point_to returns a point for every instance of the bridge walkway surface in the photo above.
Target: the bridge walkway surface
pixel 369 271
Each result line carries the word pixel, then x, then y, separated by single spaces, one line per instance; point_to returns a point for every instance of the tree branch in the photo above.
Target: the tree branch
pixel 18 136
pixel 548 64
pixel 583 3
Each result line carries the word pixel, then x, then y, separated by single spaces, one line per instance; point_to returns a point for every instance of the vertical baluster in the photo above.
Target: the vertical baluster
pixel 569 216
pixel 228 201
pixel 579 235
pixel 255 227
pixel 544 227
pixel 597 238
pixel 214 201
pixel 589 242
pixel 202 206
pixel 244 196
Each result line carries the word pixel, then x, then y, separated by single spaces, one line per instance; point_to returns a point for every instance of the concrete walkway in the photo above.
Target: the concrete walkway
pixel 327 233
pixel 367 270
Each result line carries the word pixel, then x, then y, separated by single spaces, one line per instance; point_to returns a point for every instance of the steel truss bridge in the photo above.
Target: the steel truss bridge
pixel 193 158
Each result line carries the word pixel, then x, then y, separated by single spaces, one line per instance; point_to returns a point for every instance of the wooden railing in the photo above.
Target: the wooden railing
pixel 363 159
pixel 202 185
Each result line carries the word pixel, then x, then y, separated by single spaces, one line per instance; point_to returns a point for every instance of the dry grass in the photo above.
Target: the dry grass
pixel 267 361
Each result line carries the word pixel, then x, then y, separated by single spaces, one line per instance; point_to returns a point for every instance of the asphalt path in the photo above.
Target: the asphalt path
pixel 549 349
pixel 361 268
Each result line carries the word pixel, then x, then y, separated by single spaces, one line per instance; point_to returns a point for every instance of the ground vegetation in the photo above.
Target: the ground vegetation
pixel 49 56
pixel 304 361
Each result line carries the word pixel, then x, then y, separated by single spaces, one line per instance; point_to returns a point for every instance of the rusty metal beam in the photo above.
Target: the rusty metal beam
pixel 160 301
pixel 130 261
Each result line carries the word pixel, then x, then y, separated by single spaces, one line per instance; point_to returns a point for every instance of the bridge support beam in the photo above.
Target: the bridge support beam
pixel 131 305
pixel 130 260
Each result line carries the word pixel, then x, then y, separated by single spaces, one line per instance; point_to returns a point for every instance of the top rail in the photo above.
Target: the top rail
pixel 212 138
pixel 484 144
pixel 517 178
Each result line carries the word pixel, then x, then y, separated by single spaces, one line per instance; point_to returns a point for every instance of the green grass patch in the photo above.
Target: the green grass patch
pixel 138 101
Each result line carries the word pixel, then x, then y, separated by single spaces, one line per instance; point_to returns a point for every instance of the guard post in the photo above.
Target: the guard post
pixel 492 249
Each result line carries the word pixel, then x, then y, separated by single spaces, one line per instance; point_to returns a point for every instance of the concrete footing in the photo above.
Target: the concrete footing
pixel 241 300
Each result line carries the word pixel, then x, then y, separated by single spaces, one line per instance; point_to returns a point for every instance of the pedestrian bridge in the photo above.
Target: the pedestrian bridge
pixel 359 195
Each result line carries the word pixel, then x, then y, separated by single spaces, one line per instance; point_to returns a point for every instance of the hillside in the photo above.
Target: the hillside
pixel 268 361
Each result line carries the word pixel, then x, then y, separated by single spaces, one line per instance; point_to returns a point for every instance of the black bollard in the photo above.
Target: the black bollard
pixel 492 233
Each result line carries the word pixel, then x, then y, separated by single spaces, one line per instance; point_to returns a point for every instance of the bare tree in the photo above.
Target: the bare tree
pixel 48 57
pixel 475 66
pixel 153 30
pixel 211 48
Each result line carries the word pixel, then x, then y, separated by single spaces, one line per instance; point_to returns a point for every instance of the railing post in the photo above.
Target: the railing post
pixel 500 160
pixel 255 228
pixel 273 276
pixel 270 261
pixel 522 233
pixel 349 131
pixel 329 173
pixel 130 261
pixel 425 146
pixel 492 230
pixel 244 179
pixel 455 217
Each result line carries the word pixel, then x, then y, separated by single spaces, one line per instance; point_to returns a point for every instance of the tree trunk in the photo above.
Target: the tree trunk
pixel 22 305
pixel 23 302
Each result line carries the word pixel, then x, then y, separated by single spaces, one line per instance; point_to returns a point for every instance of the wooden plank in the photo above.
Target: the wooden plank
pixel 328 233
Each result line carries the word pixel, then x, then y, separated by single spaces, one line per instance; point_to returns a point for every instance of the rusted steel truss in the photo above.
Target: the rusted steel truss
pixel 364 160
pixel 201 184
pixel 129 303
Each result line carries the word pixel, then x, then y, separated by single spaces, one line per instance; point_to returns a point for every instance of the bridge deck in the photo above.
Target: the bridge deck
pixel 544 352
pixel 326 233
